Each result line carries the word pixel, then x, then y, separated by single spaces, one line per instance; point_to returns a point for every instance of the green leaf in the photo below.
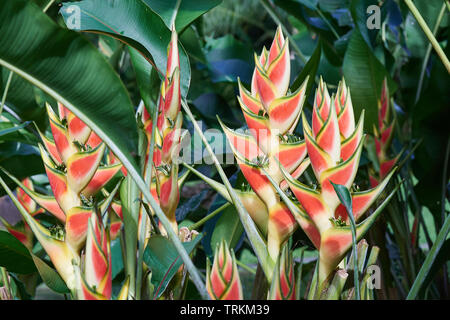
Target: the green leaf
pixel 147 82
pixel 162 258
pixel 228 227
pixel 364 75
pixel 185 13
pixel 129 193
pixel 24 99
pixel 11 128
pixel 310 69
pixel 345 197
pixel 133 23
pixel 193 44
pixel 429 260
pixel 50 277
pixel 20 159
pixel 116 258
pixel 14 256
pixel 70 69
pixel 332 5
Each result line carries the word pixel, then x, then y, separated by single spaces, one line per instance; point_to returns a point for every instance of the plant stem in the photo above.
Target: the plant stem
pixel 245 267
pixel 208 217
pixel 49 4
pixel 298 280
pixel 444 180
pixel 148 172
pixel 175 13
pixel 427 54
pixel 5 92
pixel 443 197
pixel 428 263
pixel 355 257
pixel 140 263
pixel 6 281
pixel 429 34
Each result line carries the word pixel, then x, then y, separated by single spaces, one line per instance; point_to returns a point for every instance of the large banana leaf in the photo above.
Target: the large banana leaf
pixel 364 74
pixel 66 66
pixel 132 22
pixel 69 68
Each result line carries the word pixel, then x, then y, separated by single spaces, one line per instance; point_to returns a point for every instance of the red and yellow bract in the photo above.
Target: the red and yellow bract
pixel 222 281
pixel 271 114
pixel 334 145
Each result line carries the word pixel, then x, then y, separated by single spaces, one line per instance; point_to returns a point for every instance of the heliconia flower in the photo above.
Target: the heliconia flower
pixel 283 280
pixel 96 279
pixel 334 144
pixel 72 163
pixel 164 185
pixel 62 255
pixel 271 113
pixel 222 280
pixel 383 136
pixel 21 230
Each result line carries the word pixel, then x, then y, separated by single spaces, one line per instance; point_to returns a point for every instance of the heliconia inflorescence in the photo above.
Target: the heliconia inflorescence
pixel 222 280
pixel 95 278
pixel 72 161
pixel 271 113
pixel 383 137
pixel 334 145
pixel 283 280
pixel 164 184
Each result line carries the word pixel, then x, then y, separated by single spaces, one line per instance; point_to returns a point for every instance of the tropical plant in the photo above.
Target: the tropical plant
pixel 146 151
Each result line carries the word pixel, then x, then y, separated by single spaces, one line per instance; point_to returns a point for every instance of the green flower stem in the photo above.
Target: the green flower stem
pixel 140 264
pixel 142 228
pixel 429 34
pixel 346 199
pixel 175 13
pixel 428 263
pixel 208 217
pixel 355 257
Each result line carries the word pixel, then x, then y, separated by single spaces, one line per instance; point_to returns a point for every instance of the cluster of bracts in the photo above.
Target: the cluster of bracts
pixel 270 155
